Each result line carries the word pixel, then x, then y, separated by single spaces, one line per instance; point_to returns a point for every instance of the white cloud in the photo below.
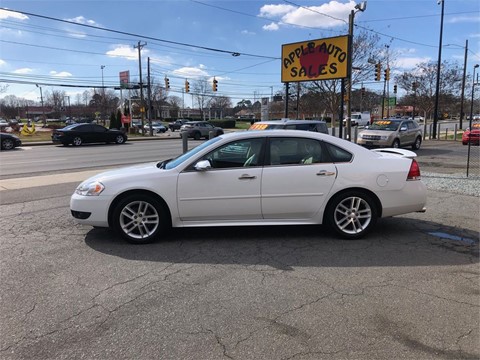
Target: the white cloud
pixel 126 52
pixel 191 72
pixel 5 14
pixel 247 32
pixel 275 10
pixel 410 62
pixel 83 20
pixel 60 74
pixel 2 62
pixel 327 15
pixel 270 27
pixel 23 71
pixel 464 19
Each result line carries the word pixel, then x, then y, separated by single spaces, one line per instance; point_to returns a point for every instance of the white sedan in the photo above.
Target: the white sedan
pixel 278 177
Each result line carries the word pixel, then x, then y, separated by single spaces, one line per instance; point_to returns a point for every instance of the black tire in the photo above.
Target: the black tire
pixel 197 135
pixel 119 139
pixel 396 143
pixel 351 214
pixel 139 219
pixel 77 141
pixel 8 144
pixel 418 142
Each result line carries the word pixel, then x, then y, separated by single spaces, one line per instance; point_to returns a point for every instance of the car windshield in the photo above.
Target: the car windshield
pixel 184 157
pixel 387 125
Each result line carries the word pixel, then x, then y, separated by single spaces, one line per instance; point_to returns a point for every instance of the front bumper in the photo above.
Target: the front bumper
pixel 90 210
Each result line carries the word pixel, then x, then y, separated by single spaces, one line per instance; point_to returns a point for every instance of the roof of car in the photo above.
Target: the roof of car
pixel 290 121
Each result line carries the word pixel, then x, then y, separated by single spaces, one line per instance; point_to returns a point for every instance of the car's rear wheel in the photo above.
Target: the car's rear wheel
pixel 77 141
pixel 197 135
pixel 351 214
pixel 139 219
pixel 418 142
pixel 7 144
pixel 396 143
pixel 119 139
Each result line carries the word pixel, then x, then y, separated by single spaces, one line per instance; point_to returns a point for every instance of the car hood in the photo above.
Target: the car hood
pixel 128 172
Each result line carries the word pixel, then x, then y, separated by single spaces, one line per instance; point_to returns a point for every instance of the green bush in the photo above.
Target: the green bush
pixel 223 123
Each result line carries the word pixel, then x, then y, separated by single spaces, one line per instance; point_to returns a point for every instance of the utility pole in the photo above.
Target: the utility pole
pixel 463 83
pixel 43 109
pixel 348 94
pixel 149 95
pixel 103 95
pixel 142 104
pixel 437 90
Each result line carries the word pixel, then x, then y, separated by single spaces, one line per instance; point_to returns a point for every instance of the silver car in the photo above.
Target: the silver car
pixel 393 133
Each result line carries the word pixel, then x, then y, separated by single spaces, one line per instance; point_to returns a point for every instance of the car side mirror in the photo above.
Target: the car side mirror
pixel 203 165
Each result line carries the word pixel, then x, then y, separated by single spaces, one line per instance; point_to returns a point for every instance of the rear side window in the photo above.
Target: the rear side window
pixel 338 154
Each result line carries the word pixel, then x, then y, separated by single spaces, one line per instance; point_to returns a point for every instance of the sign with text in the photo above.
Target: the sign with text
pixel 322 59
pixel 124 79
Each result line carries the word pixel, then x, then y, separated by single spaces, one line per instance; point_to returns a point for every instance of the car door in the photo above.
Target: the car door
pixel 100 134
pixel 229 190
pixel 408 136
pixel 295 181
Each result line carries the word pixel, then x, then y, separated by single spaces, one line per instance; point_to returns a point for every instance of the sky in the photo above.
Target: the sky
pixel 237 42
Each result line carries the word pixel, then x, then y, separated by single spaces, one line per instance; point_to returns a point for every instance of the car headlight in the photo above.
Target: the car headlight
pixel 92 188
pixel 385 137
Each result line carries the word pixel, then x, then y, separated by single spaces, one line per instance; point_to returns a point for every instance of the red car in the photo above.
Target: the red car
pixel 472 135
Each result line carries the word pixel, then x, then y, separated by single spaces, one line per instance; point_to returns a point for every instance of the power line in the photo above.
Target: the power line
pixel 233 53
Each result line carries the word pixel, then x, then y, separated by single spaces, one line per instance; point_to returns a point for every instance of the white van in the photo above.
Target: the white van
pixel 359 119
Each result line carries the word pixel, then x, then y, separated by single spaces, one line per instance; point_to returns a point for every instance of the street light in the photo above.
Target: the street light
pixel 437 90
pixel 471 117
pixel 358 7
pixel 43 109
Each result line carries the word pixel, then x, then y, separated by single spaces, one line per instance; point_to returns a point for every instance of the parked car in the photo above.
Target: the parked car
pixel 199 129
pixel 157 127
pixel 9 141
pixel 306 125
pixel 78 134
pixel 177 124
pixel 247 178
pixel 3 124
pixel 472 135
pixel 393 133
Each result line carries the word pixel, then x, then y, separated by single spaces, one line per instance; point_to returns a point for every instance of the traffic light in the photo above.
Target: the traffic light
pixel 387 74
pixel 187 86
pixel 363 91
pixel 394 89
pixel 167 83
pixel 214 84
pixel 378 72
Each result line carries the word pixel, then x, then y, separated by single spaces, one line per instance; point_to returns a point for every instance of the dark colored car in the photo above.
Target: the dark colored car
pixel 78 134
pixel 472 135
pixel 9 141
pixel 177 124
pixel 199 129
pixel 291 124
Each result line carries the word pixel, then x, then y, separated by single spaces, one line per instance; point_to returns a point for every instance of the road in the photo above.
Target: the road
pixel 409 290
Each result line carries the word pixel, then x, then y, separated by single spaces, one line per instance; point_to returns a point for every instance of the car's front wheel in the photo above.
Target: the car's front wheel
pixel 418 142
pixel 7 144
pixel 77 141
pixel 396 143
pixel 351 214
pixel 119 139
pixel 139 219
pixel 197 135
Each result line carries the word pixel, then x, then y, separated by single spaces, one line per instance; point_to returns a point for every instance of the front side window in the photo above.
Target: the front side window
pixel 241 153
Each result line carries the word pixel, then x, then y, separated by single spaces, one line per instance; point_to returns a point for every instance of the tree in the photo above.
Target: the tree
pixel 366 46
pixel 424 76
pixel 220 103
pixel 202 93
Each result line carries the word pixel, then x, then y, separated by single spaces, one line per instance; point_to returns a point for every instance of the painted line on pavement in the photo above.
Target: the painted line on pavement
pixel 43 180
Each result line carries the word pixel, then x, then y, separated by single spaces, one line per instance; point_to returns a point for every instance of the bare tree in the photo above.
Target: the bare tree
pixel 220 104
pixel 424 76
pixel 202 93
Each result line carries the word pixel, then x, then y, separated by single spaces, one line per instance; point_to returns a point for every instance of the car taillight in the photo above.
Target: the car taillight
pixel 414 173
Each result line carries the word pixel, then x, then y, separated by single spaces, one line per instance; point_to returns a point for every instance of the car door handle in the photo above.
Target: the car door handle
pixel 325 173
pixel 247 177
